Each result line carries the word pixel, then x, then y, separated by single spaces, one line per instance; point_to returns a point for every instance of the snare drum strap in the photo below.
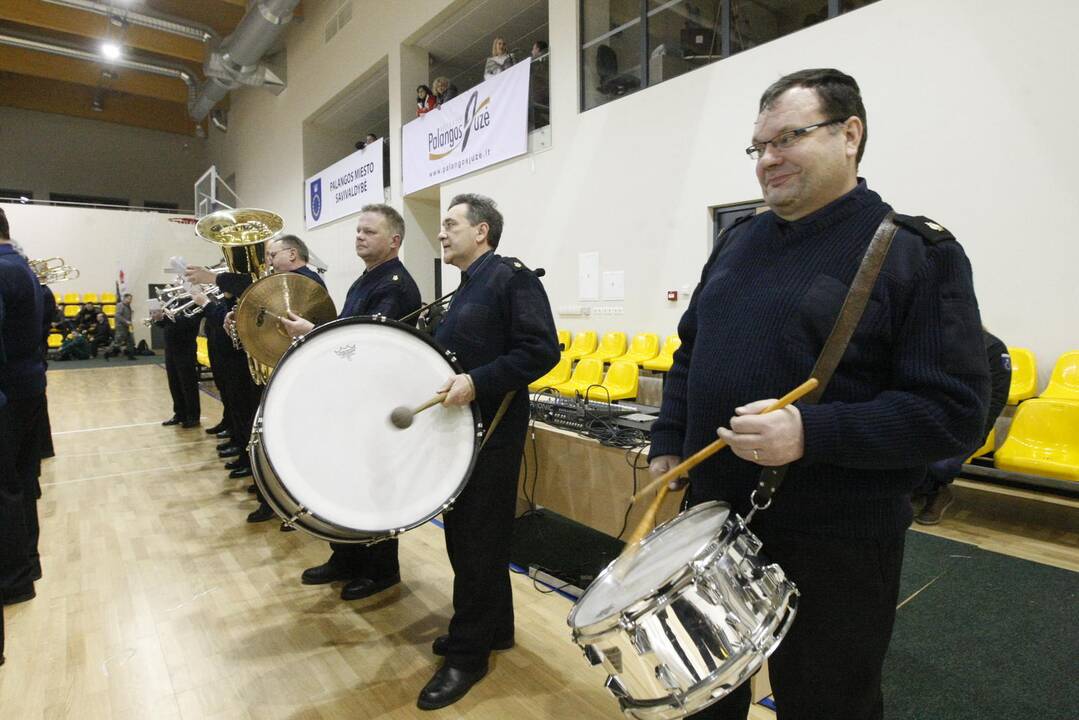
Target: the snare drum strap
pixel 838 339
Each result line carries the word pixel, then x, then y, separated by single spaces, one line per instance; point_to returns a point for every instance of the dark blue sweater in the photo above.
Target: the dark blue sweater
pixel 911 388
pixel 22 369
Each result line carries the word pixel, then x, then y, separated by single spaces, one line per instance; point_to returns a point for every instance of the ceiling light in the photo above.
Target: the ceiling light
pixel 110 50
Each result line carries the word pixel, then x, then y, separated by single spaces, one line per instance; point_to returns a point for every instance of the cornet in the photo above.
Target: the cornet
pixel 53 270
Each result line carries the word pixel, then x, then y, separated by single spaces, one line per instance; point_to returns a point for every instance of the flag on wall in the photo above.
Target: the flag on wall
pixel 121 284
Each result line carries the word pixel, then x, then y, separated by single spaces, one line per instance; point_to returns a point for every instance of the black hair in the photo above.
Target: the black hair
pixel 838 92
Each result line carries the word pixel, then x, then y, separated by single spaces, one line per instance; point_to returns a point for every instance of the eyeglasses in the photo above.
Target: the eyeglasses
pixel 785 140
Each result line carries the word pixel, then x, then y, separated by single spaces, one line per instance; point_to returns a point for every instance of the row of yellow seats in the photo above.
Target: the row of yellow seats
pixel 644 350
pixel 76 298
pixel 1063 384
pixel 71 311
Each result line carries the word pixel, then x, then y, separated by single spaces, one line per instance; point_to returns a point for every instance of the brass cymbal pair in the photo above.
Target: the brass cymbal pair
pixel 261 306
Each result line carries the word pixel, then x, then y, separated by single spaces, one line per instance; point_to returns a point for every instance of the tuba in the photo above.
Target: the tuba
pixel 242 234
pixel 53 270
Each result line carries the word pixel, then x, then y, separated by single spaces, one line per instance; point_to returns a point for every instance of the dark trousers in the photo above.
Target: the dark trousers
pixel 182 369
pixel 479 528
pixel 376 561
pixel 20 466
pixel 829 665
pixel 244 400
pixel 215 347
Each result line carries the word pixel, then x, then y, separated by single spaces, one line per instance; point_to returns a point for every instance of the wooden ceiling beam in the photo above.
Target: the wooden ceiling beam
pixel 64 98
pixel 52 67
pixel 37 14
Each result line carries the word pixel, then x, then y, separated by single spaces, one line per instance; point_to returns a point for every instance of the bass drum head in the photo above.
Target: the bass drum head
pixel 327 435
pixel 662 555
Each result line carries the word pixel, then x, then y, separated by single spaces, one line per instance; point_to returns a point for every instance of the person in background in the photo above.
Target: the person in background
pixel 444 90
pixel 935 495
pixel 425 100
pixel 539 87
pixel 100 334
pixel 539 49
pixel 124 330
pixel 500 59
pixel 85 318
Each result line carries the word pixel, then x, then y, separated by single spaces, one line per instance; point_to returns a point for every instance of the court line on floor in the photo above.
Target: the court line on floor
pixel 111 427
pixel 137 449
pixel 128 472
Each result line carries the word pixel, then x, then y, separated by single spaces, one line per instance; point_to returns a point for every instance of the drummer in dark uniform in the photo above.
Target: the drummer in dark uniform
pixel 385 288
pixel 500 327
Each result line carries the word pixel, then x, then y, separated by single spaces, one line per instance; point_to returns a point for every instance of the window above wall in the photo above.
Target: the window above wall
pixel 628 45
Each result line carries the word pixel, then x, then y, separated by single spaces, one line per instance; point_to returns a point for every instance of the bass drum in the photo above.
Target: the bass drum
pixel 324 452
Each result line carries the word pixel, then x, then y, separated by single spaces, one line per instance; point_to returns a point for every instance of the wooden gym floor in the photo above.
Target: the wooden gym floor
pixel 159 601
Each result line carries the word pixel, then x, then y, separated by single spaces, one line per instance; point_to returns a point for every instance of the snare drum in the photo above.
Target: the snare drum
pixel 323 450
pixel 686 619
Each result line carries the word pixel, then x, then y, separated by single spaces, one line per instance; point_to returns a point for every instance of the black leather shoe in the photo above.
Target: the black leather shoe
pixel 240 473
pixel 252 489
pixel 19 594
pixel 225 444
pixel 325 573
pixel 188 424
pixel 447 686
pixel 217 428
pixel 285 527
pixel 225 435
pixel 230 451
pixel 261 514
pixel 366 587
pixel 172 421
pixel 236 464
pixel 441 645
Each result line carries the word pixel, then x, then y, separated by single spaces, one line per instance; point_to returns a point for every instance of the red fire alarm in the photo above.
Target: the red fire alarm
pixel 672 295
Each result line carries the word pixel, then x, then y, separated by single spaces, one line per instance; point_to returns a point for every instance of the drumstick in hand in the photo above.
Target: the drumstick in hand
pixel 401 417
pixel 663 481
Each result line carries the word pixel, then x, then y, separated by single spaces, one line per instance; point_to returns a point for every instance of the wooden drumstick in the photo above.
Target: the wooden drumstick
pixel 663 481
pixel 401 417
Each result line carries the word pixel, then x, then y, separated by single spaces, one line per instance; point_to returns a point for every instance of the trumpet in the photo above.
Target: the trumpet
pixel 176 299
pixel 53 270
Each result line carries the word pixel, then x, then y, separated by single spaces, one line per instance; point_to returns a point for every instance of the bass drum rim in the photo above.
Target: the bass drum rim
pixel 309 521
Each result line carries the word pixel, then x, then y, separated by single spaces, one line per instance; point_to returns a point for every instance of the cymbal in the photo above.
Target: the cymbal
pixel 257 312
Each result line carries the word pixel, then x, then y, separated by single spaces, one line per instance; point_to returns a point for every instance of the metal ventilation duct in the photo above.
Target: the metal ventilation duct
pixel 236 61
pixel 153 20
pixel 71 52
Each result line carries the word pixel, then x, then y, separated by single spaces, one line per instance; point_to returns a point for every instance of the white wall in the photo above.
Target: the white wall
pixel 969 117
pixel 44 153
pixel 100 242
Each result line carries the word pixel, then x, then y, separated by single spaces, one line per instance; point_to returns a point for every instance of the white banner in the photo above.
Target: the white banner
pixel 344 187
pixel 482 126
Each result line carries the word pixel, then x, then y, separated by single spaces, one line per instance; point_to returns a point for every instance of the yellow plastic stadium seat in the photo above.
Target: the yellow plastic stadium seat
pixel 611 346
pixel 583 343
pixel 1043 440
pixel 202 351
pixel 663 361
pixel 108 297
pixel 55 340
pixel 619 384
pixel 587 372
pixel 112 323
pixel 71 311
pixel 109 310
pixel 645 346
pixel 560 373
pixel 988 446
pixel 1024 375
pixel 71 298
pixel 89 297
pixel 59 298
pixel 563 339
pixel 1064 383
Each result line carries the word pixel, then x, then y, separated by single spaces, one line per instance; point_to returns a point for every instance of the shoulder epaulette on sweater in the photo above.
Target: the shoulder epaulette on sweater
pixel 514 264
pixel 929 231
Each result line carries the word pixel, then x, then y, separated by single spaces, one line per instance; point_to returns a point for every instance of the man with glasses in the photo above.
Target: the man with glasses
pixel 908 391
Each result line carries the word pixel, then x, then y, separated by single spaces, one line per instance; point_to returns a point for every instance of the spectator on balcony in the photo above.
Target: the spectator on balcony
pixel 444 90
pixel 500 59
pixel 425 100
